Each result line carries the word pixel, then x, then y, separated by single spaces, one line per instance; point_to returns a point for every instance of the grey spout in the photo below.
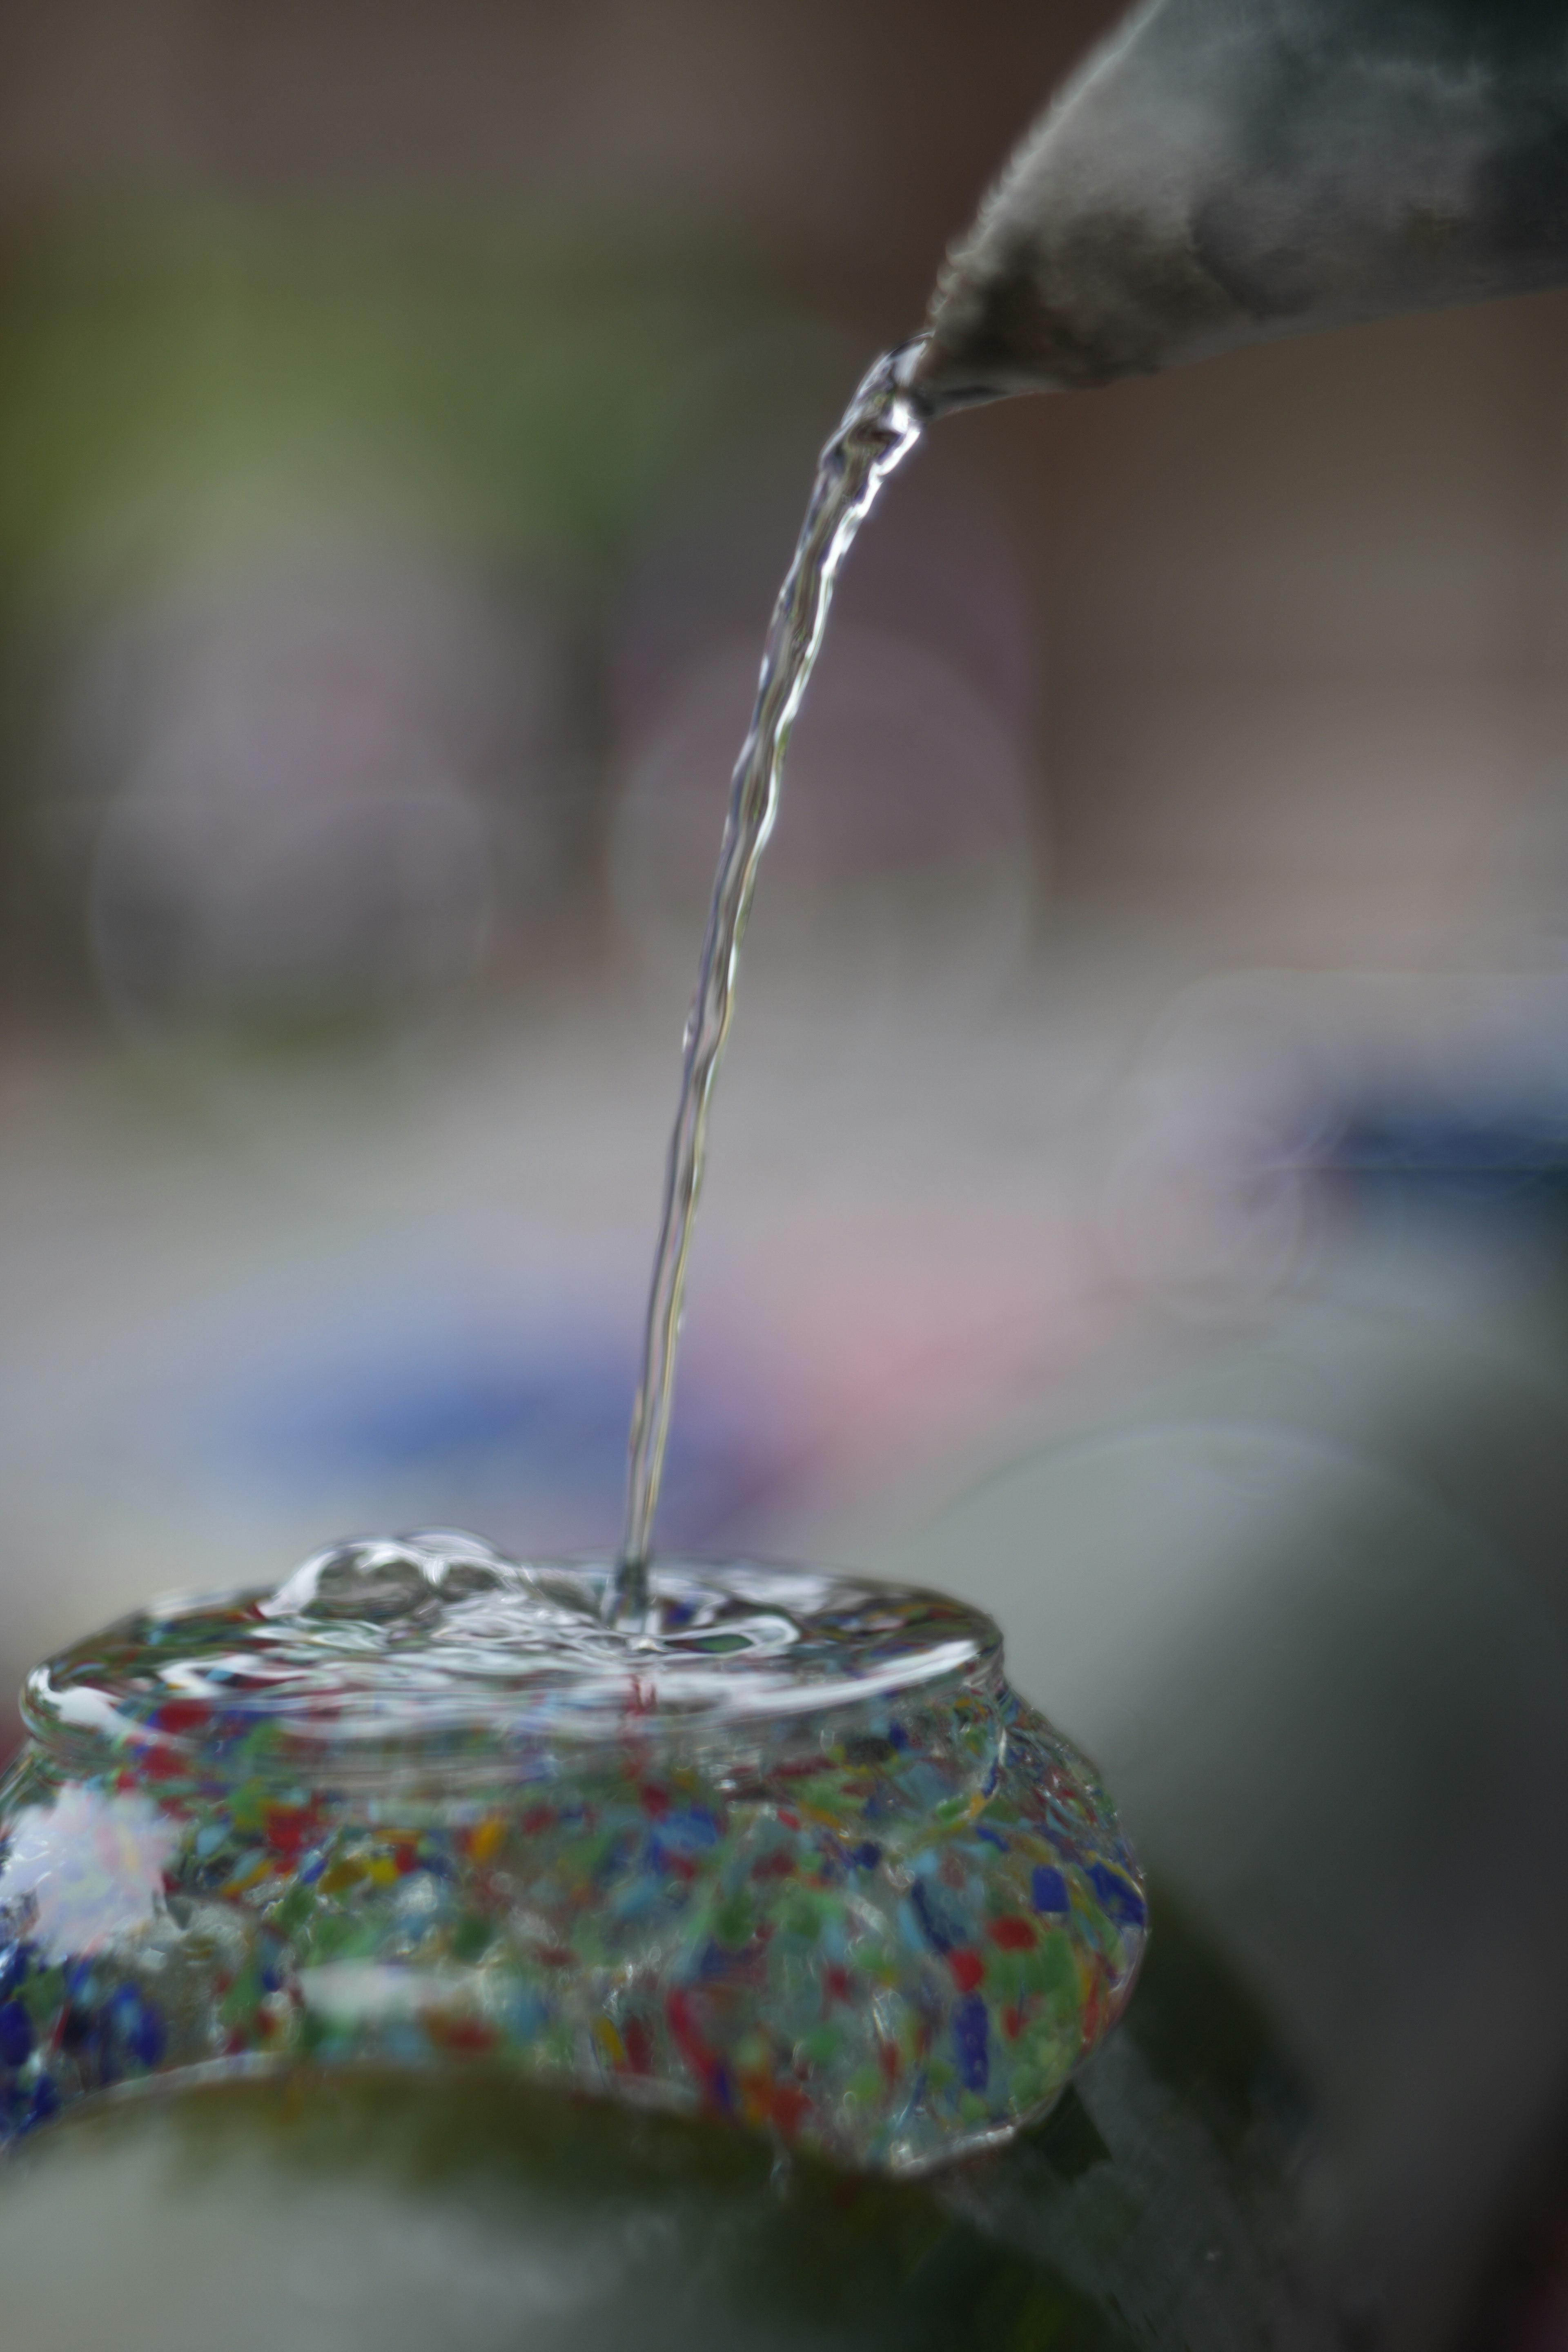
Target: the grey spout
pixel 1225 170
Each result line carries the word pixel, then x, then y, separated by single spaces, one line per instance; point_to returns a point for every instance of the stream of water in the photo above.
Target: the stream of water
pixel 880 428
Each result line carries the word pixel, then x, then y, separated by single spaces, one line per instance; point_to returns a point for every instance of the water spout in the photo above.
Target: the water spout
pixel 1227 171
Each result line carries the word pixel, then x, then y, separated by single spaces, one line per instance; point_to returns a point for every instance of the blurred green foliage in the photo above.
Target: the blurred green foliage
pixel 536 413
pixel 553 401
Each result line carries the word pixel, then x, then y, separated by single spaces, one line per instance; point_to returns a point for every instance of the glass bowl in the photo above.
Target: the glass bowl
pixel 788 1850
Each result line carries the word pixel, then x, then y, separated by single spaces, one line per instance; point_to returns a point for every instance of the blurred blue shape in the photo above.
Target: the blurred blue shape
pixel 427 1411
pixel 1483 1155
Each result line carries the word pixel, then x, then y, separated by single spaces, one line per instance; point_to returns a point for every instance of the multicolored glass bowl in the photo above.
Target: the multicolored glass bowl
pixel 789 1852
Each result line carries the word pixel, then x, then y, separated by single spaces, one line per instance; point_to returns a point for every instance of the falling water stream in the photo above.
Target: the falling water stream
pixel 880 428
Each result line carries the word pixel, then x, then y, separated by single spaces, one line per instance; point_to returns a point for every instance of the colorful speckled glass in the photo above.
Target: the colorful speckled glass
pixel 790 1851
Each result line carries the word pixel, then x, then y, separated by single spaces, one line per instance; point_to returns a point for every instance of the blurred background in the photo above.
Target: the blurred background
pixel 1136 1189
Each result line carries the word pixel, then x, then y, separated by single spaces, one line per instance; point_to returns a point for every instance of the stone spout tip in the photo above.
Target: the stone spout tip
pixel 948 370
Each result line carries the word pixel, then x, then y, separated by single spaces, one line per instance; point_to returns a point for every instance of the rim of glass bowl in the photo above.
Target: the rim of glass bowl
pixel 434 1656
